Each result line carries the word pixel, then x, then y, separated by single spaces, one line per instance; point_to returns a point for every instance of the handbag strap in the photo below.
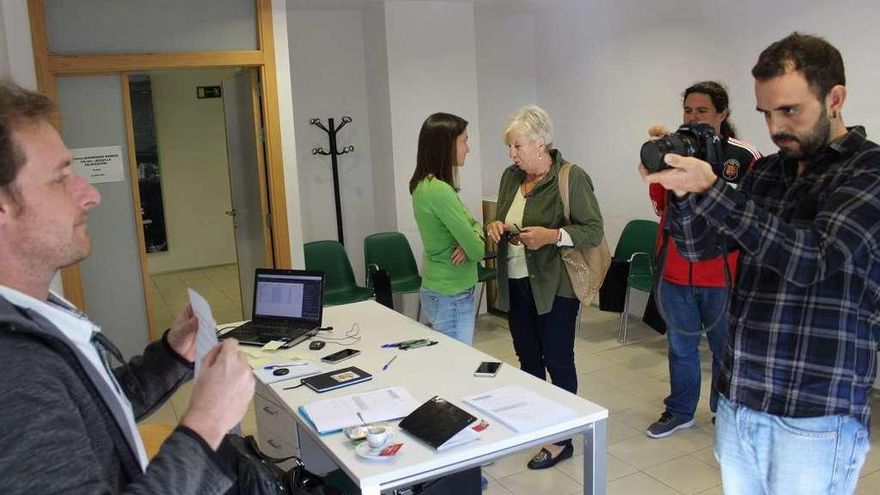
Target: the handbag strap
pixel 562 181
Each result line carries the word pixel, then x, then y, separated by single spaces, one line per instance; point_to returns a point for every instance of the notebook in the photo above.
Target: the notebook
pixel 384 404
pixel 440 424
pixel 336 379
pixel 288 306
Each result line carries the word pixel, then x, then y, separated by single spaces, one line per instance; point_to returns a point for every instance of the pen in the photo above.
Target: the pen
pixel 398 344
pixel 389 363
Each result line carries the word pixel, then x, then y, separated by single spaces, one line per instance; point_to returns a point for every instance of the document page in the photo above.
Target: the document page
pixel 206 336
pixel 383 404
pixel 520 409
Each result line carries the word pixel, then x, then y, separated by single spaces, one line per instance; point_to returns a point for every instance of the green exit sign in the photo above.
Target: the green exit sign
pixel 208 92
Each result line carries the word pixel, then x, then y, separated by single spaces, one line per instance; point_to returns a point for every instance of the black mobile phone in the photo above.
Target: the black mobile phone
pixel 487 368
pixel 340 356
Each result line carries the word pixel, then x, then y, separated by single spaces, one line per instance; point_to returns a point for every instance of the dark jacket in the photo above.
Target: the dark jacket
pixel 64 433
pixel 547 274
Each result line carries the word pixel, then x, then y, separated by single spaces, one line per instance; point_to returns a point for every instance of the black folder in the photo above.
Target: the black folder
pixel 436 421
pixel 336 379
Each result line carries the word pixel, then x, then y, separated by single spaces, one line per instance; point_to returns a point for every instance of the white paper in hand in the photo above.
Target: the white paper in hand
pixel 206 338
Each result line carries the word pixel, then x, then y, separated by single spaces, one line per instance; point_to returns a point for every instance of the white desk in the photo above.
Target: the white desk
pixel 445 369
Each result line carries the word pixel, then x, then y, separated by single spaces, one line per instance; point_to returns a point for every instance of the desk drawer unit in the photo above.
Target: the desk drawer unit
pixel 276 429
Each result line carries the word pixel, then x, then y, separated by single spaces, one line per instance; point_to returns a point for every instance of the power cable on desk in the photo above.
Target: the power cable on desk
pixel 352 336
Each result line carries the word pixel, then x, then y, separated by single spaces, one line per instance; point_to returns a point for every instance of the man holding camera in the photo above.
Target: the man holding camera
pixel 794 409
pixel 692 295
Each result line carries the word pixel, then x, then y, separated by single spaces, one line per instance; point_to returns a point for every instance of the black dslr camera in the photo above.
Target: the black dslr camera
pixel 697 140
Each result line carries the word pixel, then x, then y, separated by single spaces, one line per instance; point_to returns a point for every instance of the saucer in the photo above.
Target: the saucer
pixel 364 450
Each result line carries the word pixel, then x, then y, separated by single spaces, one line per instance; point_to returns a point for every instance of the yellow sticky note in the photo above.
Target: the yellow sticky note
pixel 273 345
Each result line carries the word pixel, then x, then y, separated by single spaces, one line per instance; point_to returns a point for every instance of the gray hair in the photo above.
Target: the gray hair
pixel 533 122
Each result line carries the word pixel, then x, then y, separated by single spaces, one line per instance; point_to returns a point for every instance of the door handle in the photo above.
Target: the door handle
pixel 230 213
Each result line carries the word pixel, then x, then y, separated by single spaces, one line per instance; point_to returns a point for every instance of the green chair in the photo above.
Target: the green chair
pixel 636 246
pixel 483 275
pixel 391 252
pixel 340 286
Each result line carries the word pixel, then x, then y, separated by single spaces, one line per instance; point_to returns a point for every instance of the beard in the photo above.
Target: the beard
pixel 810 143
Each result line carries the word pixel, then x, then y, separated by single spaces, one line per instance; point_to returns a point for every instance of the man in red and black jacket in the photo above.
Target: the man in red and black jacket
pixel 692 295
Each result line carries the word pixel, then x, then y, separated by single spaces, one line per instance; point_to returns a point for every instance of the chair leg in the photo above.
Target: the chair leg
pixel 624 317
pixel 479 300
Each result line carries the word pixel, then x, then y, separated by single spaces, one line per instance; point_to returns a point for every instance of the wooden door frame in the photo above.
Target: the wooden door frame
pixel 49 66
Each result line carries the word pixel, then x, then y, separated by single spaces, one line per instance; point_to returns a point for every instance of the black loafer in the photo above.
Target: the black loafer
pixel 544 460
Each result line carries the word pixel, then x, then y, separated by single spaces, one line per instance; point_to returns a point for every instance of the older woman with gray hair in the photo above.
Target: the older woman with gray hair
pixel 529 228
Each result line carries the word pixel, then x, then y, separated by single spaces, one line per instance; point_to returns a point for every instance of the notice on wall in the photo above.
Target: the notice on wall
pixel 98 165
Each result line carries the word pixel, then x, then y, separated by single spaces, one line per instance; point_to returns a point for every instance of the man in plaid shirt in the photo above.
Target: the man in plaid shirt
pixel 800 357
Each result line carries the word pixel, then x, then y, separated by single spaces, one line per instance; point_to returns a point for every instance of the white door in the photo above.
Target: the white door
pixel 244 145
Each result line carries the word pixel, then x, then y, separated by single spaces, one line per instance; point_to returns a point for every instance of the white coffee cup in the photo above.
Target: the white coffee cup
pixel 377 436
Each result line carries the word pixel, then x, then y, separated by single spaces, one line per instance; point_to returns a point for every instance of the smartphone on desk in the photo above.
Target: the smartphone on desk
pixel 340 356
pixel 488 369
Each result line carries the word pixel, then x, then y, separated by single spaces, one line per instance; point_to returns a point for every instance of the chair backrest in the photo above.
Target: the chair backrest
pixel 638 236
pixel 391 251
pixel 330 257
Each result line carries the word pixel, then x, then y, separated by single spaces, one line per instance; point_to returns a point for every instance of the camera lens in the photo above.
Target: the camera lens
pixel 652 156
pixel 652 152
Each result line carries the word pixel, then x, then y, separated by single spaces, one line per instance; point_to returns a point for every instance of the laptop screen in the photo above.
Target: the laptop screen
pixel 288 294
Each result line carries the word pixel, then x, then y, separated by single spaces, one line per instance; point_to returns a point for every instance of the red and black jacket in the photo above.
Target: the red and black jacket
pixel 739 157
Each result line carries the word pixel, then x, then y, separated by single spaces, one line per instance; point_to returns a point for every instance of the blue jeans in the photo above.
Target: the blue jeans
pixel 691 310
pixel 761 453
pixel 544 342
pixel 450 315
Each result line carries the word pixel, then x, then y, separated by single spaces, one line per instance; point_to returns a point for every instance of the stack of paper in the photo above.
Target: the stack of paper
pixel 520 409
pixel 383 404
pixel 464 436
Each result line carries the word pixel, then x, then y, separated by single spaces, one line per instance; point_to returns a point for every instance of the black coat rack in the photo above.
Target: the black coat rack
pixel 331 131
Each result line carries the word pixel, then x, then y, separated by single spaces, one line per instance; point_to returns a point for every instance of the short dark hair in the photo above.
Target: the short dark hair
pixel 18 107
pixel 818 61
pixel 718 94
pixel 436 152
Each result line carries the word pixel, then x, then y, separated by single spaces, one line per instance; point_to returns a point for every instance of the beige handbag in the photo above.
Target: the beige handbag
pixel 586 267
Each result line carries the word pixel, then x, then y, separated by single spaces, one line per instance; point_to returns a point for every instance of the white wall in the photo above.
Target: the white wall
pixel 607 71
pixel 506 80
pixel 194 170
pixel 287 127
pixel 329 80
pixel 432 67
pixel 379 105
pixel 5 71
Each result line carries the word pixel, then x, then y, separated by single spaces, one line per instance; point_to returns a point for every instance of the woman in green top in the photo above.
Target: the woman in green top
pixel 530 227
pixel 451 237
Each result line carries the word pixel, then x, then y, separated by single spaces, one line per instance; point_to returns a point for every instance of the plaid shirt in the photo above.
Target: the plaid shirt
pixel 805 308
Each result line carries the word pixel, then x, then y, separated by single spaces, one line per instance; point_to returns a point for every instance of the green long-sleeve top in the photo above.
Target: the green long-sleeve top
pixel 543 208
pixel 444 222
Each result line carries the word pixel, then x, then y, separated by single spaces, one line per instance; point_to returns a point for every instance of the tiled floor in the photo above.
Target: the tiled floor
pixel 217 284
pixel 631 381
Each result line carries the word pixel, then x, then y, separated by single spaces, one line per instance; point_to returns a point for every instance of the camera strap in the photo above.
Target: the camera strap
pixel 661 263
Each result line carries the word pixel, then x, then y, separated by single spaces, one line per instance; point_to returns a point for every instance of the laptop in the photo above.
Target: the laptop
pixel 288 305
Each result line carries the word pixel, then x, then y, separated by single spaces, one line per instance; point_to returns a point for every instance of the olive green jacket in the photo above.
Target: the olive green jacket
pixel 543 208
